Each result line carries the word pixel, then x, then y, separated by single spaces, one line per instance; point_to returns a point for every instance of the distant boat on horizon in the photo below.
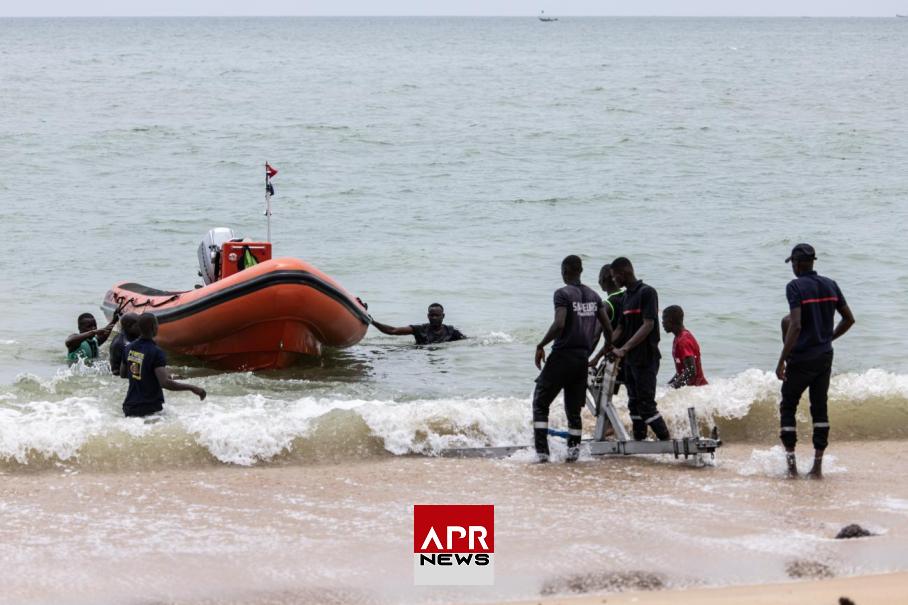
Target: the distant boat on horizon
pixel 902 16
pixel 545 19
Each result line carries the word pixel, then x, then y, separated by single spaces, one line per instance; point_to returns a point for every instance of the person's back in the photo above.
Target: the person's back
pixel 818 297
pixel 145 395
pixel 581 327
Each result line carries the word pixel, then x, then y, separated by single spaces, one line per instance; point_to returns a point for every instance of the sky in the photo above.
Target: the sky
pixel 561 8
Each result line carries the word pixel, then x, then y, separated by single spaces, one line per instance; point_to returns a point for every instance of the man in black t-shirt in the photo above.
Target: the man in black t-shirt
pixel 806 359
pixel 430 333
pixel 145 364
pixel 640 352
pixel 579 313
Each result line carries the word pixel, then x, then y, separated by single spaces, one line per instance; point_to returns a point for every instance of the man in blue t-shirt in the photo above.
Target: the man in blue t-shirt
pixel 579 313
pixel 806 359
pixel 145 364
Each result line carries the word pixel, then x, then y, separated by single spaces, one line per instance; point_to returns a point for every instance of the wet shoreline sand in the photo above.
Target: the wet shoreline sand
pixel 343 532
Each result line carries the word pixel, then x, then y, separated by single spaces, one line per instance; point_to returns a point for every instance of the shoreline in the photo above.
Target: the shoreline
pixel 873 589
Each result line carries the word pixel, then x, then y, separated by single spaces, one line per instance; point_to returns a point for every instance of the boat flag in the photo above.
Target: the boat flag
pixel 270 171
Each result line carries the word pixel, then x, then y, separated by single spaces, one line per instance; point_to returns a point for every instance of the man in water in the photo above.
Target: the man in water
pixel 86 343
pixel 578 313
pixel 129 331
pixel 685 350
pixel 806 359
pixel 640 352
pixel 145 364
pixel 430 333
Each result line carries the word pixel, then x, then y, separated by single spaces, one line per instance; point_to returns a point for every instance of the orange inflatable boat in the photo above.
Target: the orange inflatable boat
pixel 254 313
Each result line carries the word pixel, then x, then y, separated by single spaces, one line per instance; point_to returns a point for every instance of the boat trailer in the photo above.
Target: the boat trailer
pixel 610 438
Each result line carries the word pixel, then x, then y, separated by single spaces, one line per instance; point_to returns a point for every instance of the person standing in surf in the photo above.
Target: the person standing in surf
pixel 640 353
pixel 614 304
pixel 685 350
pixel 806 359
pixel 579 312
pixel 145 364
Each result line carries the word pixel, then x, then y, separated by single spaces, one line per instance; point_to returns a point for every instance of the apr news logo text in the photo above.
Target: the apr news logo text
pixel 453 544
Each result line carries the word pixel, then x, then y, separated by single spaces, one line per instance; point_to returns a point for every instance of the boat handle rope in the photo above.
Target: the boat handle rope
pixel 122 302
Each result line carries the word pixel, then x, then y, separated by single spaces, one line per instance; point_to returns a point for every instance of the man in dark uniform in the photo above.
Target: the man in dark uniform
pixel 640 351
pixel 806 359
pixel 578 313
pixel 430 333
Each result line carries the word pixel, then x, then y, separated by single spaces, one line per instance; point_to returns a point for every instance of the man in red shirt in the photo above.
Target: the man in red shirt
pixel 685 350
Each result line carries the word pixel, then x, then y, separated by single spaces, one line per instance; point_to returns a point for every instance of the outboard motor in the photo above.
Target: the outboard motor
pixel 210 252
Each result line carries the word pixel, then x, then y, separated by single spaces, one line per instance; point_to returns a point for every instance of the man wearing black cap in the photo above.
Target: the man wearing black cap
pixel 806 359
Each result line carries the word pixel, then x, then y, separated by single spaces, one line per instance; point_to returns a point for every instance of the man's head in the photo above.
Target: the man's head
pixel 623 272
pixel 86 323
pixel 673 319
pixel 129 324
pixel 571 268
pixel 801 259
pixel 436 315
pixel 148 325
pixel 605 279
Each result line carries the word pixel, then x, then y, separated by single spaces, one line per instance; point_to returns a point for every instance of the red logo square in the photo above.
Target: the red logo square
pixel 453 528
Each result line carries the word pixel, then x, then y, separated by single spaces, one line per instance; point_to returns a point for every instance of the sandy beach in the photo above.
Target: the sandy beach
pixel 343 532
pixel 888 589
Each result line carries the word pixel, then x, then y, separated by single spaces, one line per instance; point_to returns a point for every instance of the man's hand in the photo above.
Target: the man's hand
pixel 540 356
pixel 619 353
pixel 200 392
pixel 595 360
pixel 780 370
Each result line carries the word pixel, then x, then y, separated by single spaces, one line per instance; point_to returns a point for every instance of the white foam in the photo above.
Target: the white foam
pixel 771 463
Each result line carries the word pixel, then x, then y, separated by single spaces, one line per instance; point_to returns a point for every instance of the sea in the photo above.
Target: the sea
pixel 450 160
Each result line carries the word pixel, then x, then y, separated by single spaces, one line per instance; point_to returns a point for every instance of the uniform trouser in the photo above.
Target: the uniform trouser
pixel 812 375
pixel 640 382
pixel 567 371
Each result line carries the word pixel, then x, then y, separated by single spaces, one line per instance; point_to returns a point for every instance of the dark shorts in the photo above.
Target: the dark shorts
pixel 142 409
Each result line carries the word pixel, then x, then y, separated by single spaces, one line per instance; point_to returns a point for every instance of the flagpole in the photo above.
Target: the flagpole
pixel 267 200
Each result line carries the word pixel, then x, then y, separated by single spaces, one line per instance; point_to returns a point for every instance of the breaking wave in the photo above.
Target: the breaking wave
pixel 48 424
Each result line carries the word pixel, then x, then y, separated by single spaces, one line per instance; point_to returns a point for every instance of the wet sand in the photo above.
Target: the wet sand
pixel 888 589
pixel 343 532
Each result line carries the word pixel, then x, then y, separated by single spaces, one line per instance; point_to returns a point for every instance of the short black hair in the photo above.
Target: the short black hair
pixel 147 323
pixel 85 316
pixel 675 312
pixel 605 269
pixel 439 305
pixel 573 264
pixel 621 263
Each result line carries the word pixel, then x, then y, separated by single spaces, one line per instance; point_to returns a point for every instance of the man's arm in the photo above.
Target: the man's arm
pixel 170 384
pixel 104 333
pixel 606 347
pixel 687 374
pixel 553 332
pixel 386 329
pixel 74 340
pixel 845 323
pixel 124 369
pixel 638 337
pixel 791 339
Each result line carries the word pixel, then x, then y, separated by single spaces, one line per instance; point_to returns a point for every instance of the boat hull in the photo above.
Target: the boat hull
pixel 267 316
